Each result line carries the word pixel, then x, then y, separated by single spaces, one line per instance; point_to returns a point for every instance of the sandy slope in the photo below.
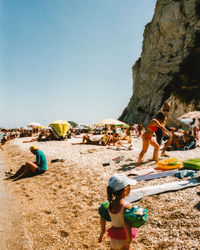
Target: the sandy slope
pixel 60 207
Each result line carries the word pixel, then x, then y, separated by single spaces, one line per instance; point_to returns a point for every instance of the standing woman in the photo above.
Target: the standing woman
pixel 155 123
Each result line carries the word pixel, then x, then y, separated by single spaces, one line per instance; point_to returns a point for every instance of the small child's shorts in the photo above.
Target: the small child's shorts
pixel 118 237
pixel 119 233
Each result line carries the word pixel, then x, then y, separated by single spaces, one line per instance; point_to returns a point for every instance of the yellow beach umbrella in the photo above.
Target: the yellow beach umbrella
pixel 61 127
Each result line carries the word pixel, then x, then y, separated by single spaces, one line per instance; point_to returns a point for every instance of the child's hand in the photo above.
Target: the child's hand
pixel 101 237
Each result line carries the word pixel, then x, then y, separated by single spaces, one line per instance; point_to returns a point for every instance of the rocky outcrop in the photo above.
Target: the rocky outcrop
pixel 169 66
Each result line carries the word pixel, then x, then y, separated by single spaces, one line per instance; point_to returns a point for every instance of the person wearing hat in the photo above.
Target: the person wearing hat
pixel 121 233
pixel 32 168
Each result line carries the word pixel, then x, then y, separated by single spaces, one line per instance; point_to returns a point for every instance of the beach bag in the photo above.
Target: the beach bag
pixel 136 215
pixel 192 163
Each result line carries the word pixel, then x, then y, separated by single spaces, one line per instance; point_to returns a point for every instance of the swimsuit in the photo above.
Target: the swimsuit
pixel 154 128
pixel 146 137
pixel 117 232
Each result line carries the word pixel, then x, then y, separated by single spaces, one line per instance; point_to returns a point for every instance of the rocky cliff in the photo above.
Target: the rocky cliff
pixel 169 66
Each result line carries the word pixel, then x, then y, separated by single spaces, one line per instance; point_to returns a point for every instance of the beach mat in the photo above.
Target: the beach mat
pixel 140 193
pixel 148 177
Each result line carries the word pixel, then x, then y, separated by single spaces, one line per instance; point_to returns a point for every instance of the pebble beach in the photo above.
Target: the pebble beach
pixel 59 209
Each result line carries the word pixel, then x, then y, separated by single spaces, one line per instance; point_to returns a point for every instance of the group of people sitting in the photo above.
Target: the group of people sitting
pixel 7 136
pixel 111 137
pixel 182 140
pixel 45 135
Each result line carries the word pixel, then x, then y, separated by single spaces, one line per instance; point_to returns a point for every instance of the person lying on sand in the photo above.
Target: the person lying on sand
pixel 32 168
pixel 48 135
pixel 88 140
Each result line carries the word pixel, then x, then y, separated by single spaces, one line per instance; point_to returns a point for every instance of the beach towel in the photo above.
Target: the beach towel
pixel 148 177
pixel 120 148
pixel 140 193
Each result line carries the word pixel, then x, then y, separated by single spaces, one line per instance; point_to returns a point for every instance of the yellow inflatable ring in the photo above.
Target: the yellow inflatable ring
pixel 168 164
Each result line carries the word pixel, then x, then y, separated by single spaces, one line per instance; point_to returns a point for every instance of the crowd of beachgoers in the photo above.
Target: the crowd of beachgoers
pixel 60 203
pixel 116 136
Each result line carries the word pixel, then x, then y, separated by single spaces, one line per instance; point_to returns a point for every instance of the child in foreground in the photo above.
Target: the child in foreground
pixel 121 233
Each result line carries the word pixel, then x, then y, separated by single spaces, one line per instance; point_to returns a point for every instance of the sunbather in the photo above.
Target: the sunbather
pixel 46 135
pixel 87 140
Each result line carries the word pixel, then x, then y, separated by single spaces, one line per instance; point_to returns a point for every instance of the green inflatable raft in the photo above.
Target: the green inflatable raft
pixel 192 164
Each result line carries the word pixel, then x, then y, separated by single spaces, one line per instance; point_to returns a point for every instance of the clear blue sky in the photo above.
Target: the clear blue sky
pixel 68 59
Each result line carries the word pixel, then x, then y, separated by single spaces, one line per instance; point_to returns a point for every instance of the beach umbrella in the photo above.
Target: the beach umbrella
pixel 61 127
pixel 27 128
pixel 33 124
pixel 111 121
pixel 192 114
pixel 186 121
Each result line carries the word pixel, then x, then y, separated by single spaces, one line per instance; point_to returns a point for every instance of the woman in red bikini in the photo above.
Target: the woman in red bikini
pixel 147 136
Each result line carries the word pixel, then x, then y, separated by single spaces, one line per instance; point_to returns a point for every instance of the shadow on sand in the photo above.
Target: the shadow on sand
pixel 130 166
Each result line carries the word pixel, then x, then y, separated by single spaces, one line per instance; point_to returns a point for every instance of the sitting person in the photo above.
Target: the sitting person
pixel 105 140
pixel 183 141
pixel 41 137
pixel 53 136
pixel 115 138
pixel 4 139
pixel 32 168
pixel 45 135
pixel 128 131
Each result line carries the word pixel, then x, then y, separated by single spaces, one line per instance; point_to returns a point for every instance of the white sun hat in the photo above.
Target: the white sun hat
pixel 120 181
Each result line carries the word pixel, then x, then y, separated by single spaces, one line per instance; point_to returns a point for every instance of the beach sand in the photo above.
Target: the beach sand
pixel 60 208
pixel 12 230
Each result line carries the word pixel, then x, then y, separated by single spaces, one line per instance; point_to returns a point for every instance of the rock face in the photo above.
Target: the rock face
pixel 169 66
